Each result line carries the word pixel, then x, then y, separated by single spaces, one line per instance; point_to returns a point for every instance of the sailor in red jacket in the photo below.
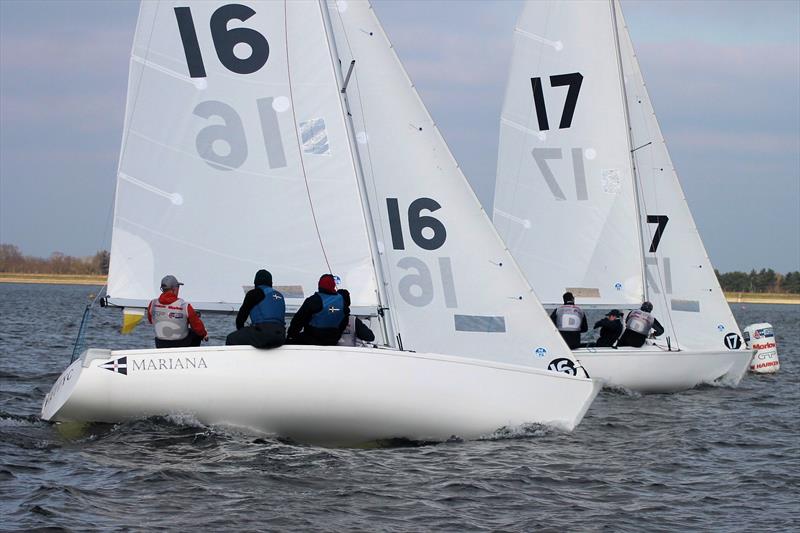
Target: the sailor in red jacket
pixel 176 322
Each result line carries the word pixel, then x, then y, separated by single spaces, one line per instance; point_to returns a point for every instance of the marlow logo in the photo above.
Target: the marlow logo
pixel 117 365
pixel 733 341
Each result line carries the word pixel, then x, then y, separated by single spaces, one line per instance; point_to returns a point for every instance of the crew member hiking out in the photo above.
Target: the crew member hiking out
pixel 570 321
pixel 266 309
pixel 638 326
pixel 175 320
pixel 323 316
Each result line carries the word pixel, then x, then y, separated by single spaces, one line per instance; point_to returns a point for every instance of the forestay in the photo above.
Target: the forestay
pixel 235 157
pixel 453 287
pixel 680 279
pixel 565 199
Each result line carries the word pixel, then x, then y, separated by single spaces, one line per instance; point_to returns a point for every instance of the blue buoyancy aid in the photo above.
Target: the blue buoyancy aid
pixel 271 310
pixel 332 312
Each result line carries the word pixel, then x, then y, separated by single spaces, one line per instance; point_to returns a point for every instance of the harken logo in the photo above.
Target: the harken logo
pixel 733 341
pixel 541 352
pixel 117 365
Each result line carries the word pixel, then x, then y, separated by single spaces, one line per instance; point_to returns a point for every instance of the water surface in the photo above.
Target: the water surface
pixel 708 459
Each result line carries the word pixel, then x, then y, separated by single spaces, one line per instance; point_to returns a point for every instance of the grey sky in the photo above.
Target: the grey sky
pixel 724 78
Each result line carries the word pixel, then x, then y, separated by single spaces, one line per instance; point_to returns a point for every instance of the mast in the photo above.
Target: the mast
pixel 387 323
pixel 635 176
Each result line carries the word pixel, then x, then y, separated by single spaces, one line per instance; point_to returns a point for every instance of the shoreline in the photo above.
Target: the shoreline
pixel 52 279
pixel 762 298
pixel 68 279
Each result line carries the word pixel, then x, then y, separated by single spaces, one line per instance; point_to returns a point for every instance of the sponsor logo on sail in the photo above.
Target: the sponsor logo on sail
pixel 541 352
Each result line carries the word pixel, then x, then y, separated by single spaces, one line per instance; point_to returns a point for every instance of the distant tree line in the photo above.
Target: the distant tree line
pixel 765 280
pixel 12 261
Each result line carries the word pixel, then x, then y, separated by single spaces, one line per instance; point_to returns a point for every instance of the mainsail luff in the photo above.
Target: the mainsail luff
pixel 631 147
pixel 385 315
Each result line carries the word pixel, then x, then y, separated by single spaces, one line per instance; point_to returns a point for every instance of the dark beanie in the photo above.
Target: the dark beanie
pixel 327 283
pixel 568 298
pixel 263 277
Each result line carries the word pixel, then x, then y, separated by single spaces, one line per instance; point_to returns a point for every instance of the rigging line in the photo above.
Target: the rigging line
pixel 367 147
pixel 297 136
pixel 368 173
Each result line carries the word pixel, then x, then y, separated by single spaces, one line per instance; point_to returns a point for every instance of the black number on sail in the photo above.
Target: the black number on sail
pixel 416 224
pixel 417 287
pixel 225 40
pixel 573 81
pixel 661 220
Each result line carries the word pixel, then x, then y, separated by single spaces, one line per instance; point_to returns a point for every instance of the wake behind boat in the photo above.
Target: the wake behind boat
pixel 589 202
pixel 287 136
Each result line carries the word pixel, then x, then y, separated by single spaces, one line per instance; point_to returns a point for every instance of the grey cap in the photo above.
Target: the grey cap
pixel 170 282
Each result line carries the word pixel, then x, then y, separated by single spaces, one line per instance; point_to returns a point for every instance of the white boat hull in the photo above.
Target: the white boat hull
pixel 651 369
pixel 326 395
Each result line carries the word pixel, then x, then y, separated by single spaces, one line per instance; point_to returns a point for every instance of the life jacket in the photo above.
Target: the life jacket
pixel 569 318
pixel 171 321
pixel 640 322
pixel 272 309
pixel 332 312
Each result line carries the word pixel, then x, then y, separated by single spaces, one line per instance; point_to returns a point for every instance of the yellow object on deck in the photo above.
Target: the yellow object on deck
pixel 131 316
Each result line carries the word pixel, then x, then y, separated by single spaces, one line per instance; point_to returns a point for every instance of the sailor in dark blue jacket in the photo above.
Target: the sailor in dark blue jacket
pixel 323 316
pixel 266 309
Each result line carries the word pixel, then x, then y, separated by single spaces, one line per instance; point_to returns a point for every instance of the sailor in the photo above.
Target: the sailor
pixel 610 328
pixel 570 321
pixel 638 326
pixel 323 316
pixel 266 309
pixel 175 320
pixel 357 333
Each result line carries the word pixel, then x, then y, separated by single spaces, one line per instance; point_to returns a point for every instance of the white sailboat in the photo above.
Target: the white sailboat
pixel 287 136
pixel 588 201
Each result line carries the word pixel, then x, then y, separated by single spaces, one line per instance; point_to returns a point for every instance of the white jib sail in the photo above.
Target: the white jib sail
pixel 235 157
pixel 453 287
pixel 564 195
pixel 681 282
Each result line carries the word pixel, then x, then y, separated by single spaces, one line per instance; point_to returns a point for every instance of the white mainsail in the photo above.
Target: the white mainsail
pixel 680 279
pixel 565 198
pixel 222 174
pixel 644 233
pixel 453 286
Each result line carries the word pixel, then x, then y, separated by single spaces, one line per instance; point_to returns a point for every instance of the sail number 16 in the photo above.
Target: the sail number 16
pixel 225 40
